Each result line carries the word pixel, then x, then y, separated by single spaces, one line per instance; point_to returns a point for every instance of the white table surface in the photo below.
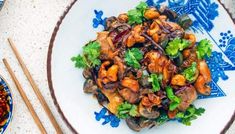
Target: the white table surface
pixel 30 23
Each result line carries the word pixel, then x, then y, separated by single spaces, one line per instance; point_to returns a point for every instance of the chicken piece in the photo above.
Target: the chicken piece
pixel 204 70
pixel 121 67
pixel 114 100
pixel 135 36
pixel 191 38
pixel 112 73
pixel 123 18
pixel 156 61
pixel 146 102
pixel 106 78
pixel 189 59
pixel 178 80
pixel 154 28
pixel 129 95
pixel 151 13
pixel 107 47
pixel 156 100
pixel 103 72
pixel 203 79
pixel 131 84
pixel 187 94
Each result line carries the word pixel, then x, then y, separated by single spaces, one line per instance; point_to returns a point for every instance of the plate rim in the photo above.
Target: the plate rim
pixel 49 57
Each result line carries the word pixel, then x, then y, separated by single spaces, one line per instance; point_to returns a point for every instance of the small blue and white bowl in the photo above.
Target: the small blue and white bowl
pixel 1 3
pixel 10 102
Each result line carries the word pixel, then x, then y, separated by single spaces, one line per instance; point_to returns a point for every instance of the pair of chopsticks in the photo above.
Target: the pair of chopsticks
pixel 36 91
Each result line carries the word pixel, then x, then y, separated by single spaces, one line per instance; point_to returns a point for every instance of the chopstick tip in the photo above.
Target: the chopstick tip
pixel 4 60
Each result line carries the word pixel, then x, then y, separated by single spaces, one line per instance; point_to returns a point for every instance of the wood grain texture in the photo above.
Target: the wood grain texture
pixel 25 98
pixel 35 88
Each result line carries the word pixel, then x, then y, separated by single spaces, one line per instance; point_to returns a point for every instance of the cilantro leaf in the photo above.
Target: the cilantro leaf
pixel 190 114
pixel 142 7
pixel 126 109
pixel 204 48
pixel 190 72
pixel 154 79
pixel 134 16
pixel 137 15
pixel 80 61
pixel 90 56
pixel 175 101
pixel 175 46
pixel 132 57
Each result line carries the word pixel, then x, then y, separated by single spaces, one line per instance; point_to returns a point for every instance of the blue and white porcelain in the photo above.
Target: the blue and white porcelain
pixel 7 89
pixel 86 17
pixel 1 3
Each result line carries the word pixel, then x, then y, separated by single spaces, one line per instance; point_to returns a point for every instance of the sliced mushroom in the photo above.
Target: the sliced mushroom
pixel 111 86
pixel 133 123
pixel 101 97
pixel 169 13
pixel 87 73
pixel 89 86
pixel 149 113
pixel 144 81
pixel 110 22
pixel 187 94
pixel 144 123
pixel 137 124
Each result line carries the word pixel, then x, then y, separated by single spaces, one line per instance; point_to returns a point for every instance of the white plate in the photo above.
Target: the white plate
pixel 66 82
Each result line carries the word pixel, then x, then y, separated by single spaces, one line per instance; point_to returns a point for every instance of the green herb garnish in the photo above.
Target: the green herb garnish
pixel 190 72
pixel 90 56
pixel 155 80
pixel 204 48
pixel 132 57
pixel 136 16
pixel 175 46
pixel 190 114
pixel 126 109
pixel 175 101
pixel 163 118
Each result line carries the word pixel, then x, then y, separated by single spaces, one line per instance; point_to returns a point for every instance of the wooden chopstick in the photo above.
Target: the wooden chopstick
pixel 25 98
pixel 35 88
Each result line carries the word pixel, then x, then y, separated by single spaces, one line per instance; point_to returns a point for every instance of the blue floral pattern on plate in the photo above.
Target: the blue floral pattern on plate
pixel 6 88
pixel 98 19
pixel 203 13
pixel 107 117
